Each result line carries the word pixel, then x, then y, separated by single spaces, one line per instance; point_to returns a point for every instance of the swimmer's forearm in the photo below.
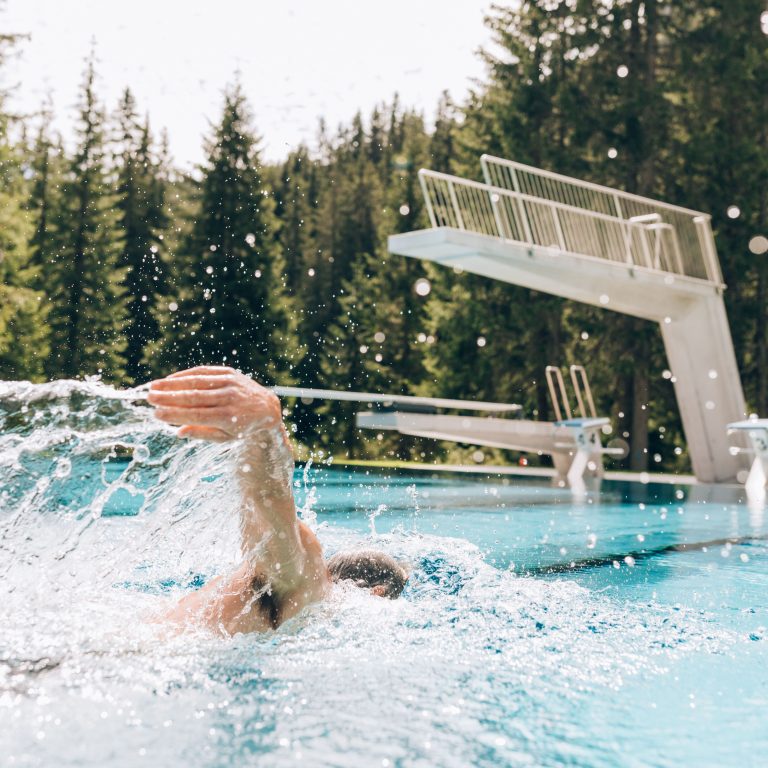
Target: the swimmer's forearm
pixel 268 519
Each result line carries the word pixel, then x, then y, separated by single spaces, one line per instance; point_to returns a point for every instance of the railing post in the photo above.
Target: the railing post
pixel 558 229
pixel 676 249
pixel 427 198
pixel 525 224
pixel 495 206
pixel 707 246
pixel 455 201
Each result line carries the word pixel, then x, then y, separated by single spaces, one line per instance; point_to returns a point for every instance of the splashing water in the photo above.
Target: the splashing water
pixel 106 518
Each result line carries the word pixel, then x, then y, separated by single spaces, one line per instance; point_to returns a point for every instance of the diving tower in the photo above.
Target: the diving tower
pixel 611 249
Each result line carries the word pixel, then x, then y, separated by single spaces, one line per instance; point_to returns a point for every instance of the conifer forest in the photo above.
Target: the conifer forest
pixel 116 263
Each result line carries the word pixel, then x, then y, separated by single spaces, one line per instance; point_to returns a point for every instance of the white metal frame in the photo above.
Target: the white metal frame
pixel 757 432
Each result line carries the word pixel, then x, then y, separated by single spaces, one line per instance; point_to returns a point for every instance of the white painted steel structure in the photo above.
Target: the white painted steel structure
pixel 573 442
pixel 596 245
pixel 306 393
pixel 757 432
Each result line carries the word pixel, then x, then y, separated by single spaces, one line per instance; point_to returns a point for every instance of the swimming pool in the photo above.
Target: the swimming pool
pixel 628 628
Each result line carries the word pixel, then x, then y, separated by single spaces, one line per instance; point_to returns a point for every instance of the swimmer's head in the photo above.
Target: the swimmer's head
pixel 372 570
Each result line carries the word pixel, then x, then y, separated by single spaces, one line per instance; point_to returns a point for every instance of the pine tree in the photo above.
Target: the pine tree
pixel 23 332
pixel 231 292
pixel 87 294
pixel 140 202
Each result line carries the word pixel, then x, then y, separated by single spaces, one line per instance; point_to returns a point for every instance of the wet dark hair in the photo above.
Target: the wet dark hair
pixel 368 568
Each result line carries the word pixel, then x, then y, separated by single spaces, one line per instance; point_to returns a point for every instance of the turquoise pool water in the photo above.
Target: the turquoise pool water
pixel 629 628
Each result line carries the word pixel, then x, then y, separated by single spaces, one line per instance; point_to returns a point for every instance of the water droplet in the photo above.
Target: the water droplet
pixel 622 71
pixel 758 245
pixel 173 306
pixel 604 298
pixel 613 153
pixel 379 337
pixel 404 210
pixel 481 341
pixel 422 286
pixel 733 212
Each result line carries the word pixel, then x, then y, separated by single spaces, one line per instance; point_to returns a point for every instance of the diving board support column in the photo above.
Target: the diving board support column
pixel 757 432
pixel 707 385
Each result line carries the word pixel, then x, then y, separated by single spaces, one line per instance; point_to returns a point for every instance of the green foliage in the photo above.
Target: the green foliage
pixel 23 333
pixel 228 270
pixel 142 180
pixel 83 278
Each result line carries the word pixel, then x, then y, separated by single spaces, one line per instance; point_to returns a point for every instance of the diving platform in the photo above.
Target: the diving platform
pixel 573 440
pixel 610 249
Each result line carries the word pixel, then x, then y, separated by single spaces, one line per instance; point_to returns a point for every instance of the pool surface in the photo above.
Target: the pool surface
pixel 627 628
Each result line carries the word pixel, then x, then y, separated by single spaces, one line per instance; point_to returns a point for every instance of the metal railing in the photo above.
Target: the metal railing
pixel 537 207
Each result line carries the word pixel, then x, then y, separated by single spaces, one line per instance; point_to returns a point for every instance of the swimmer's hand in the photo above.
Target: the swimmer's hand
pixel 214 403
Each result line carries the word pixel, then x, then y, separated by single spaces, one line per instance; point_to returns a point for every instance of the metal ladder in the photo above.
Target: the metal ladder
pixel 585 405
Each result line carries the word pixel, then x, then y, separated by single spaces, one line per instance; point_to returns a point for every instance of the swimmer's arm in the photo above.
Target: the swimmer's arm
pixel 220 404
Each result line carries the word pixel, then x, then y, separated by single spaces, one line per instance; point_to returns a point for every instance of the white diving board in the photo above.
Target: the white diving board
pixel 305 393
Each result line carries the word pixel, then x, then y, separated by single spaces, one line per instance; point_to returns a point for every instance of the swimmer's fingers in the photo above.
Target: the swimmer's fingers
pixel 211 434
pixel 192 381
pixel 190 398
pixel 204 370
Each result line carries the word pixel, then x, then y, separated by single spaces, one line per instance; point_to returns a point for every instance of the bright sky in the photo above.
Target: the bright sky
pixel 299 59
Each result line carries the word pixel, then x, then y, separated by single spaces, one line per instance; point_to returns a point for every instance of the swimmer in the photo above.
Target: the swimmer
pixel 283 568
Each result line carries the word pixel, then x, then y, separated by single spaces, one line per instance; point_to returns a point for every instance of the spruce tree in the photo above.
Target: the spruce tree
pixel 230 293
pixel 140 202
pixel 86 282
pixel 23 332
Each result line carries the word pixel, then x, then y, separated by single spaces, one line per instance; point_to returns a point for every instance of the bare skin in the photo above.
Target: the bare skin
pixel 283 569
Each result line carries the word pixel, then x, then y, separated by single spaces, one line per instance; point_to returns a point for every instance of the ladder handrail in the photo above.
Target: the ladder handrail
pixel 553 372
pixel 583 390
